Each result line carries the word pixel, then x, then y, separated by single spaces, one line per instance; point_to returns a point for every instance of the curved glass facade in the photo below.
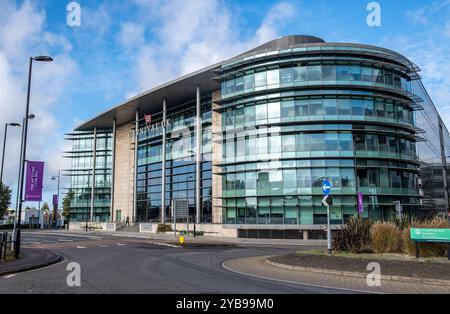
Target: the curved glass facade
pixel 288 123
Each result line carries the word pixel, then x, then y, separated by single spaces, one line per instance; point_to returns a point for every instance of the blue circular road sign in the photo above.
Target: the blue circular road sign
pixel 326 187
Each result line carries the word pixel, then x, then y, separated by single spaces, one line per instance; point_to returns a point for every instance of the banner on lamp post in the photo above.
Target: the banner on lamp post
pixel 34 179
pixel 360 203
pixel 55 201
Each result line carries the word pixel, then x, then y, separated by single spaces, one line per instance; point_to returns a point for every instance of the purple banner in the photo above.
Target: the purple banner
pixel 55 201
pixel 360 202
pixel 33 183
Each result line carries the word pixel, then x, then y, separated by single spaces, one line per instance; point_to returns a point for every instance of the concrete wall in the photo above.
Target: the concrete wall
pixel 217 158
pixel 124 172
pixel 212 230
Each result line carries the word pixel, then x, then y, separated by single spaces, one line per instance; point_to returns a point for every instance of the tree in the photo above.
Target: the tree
pixel 66 204
pixel 45 206
pixel 5 198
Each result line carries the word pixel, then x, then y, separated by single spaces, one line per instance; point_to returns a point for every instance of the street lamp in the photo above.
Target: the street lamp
pixel 55 209
pixel 24 148
pixel 4 147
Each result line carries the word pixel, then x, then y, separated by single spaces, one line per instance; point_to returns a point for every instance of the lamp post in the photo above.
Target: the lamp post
pixel 55 210
pixel 4 147
pixel 24 149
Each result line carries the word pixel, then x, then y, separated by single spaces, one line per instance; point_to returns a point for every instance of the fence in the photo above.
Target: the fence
pixel 6 243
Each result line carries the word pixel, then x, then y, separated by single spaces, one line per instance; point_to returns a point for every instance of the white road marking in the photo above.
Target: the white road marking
pixel 120 244
pixel 80 247
pixel 165 244
pixel 9 276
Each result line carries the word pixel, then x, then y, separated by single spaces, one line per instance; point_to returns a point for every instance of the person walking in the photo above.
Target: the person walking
pixel 127 223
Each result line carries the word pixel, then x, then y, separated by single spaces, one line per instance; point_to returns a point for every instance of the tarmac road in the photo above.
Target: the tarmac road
pixel 126 265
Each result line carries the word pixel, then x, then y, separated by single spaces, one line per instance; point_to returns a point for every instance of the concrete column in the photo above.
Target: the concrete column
pixel 163 176
pixel 198 158
pixel 135 167
pixel 113 167
pixel 305 234
pixel 94 162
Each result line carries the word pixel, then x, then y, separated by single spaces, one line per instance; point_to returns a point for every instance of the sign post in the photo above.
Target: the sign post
pixel 327 201
pixel 430 235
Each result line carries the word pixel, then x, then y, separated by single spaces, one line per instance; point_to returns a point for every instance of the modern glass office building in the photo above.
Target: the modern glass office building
pixel 248 142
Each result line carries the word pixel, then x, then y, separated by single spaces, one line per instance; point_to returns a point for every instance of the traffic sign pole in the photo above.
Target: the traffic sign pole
pixel 326 189
pixel 330 250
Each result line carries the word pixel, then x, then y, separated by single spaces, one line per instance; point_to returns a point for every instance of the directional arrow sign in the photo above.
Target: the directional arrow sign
pixel 326 187
pixel 327 200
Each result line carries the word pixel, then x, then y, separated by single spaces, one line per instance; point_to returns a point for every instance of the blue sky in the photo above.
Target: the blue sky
pixel 126 47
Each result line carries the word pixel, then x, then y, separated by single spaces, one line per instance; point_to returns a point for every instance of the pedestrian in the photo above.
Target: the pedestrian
pixel 127 223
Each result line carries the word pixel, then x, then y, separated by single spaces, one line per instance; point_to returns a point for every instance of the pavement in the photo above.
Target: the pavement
pixel 30 258
pixel 258 267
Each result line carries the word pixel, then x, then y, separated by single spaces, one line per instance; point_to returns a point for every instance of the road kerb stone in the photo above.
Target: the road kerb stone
pixel 428 281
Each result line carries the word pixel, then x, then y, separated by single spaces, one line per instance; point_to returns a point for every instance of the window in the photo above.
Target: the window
pixel 286 76
pixel 250 115
pixel 275 144
pixel 344 107
pixel 390 111
pixel 315 107
pixel 317 141
pixel 367 74
pixel 229 87
pixel 360 142
pixel 378 76
pixel 369 108
pixel 289 180
pixel 357 107
pixel 274 110
pixel 330 107
pixel 240 118
pixel 329 73
pixel 345 142
pixel 379 106
pixel 249 82
pixel 273 77
pixel 303 178
pixel 288 142
pixel 260 79
pixel 261 112
pixel 315 73
pixel 239 84
pixel 302 108
pixel 355 73
pixel 342 73
pixel 287 109
pixel 371 142
pixel 347 177
pixel 331 142
pixel 301 74
pixel 302 142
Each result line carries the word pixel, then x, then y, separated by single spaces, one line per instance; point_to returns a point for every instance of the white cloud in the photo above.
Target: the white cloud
pixel 202 32
pixel 22 35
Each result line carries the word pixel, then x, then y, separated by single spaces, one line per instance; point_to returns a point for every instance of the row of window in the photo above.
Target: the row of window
pixel 307 181
pixel 300 75
pixel 323 108
pixel 297 145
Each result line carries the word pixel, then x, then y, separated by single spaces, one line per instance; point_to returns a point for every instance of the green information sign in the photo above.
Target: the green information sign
pixel 430 235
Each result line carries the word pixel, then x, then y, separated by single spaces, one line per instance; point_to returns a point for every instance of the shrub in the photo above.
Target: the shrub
pixel 426 249
pixel 354 237
pixel 164 228
pixel 386 237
